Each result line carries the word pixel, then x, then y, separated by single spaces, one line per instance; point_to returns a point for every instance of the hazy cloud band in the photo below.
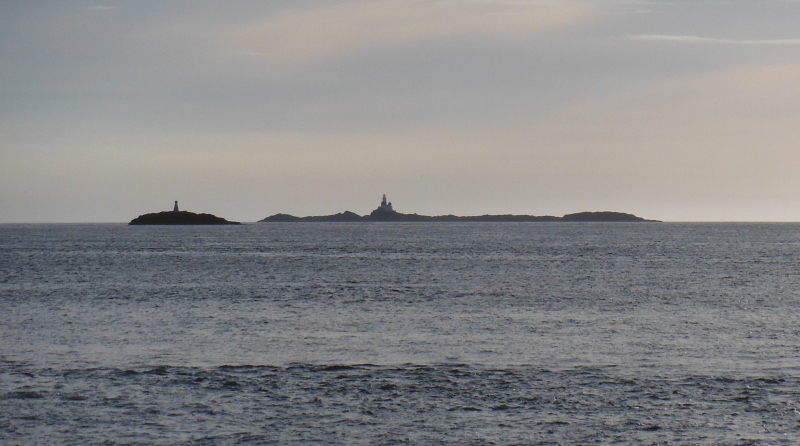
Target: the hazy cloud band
pixel 300 34
pixel 711 40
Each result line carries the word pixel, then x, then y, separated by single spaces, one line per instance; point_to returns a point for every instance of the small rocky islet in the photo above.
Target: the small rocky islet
pixel 178 217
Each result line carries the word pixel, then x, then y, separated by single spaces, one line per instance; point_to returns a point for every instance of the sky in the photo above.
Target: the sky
pixel 670 110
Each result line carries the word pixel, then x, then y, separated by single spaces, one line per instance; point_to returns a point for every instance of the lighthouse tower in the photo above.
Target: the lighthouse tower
pixel 175 209
pixel 386 207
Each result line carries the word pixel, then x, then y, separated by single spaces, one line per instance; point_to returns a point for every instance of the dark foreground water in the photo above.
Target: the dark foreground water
pixel 421 333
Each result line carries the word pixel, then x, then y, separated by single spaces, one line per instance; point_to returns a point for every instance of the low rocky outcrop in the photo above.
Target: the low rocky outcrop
pixel 602 216
pixel 180 218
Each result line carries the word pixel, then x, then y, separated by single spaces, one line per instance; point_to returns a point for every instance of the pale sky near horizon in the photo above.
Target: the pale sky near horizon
pixel 671 110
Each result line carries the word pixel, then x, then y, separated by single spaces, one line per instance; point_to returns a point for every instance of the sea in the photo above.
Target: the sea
pixel 400 334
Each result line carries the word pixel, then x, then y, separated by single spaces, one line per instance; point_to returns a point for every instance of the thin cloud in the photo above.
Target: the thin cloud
pixel 102 8
pixel 302 34
pixel 711 40
pixel 630 7
pixel 244 53
pixel 630 11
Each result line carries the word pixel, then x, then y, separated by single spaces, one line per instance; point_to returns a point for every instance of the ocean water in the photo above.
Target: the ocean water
pixel 400 333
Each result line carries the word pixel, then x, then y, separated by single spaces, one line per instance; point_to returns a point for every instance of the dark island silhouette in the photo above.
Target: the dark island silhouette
pixel 178 217
pixel 385 212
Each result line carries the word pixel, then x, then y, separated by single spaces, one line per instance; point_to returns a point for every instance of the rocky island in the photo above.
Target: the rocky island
pixel 385 212
pixel 178 217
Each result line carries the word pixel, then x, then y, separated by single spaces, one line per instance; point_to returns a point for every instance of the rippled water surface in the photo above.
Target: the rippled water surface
pixel 416 333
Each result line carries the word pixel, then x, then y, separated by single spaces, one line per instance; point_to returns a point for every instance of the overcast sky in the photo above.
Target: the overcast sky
pixel 673 110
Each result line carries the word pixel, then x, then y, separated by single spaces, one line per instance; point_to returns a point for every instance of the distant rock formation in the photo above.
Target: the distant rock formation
pixel 602 216
pixel 385 212
pixel 343 216
pixel 176 217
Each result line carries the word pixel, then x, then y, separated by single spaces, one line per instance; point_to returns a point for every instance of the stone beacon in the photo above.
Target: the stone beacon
pixel 175 209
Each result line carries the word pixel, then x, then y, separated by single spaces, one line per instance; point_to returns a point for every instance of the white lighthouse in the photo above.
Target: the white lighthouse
pixel 386 207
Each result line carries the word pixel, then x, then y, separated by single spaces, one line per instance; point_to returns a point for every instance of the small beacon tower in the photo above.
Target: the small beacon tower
pixel 175 209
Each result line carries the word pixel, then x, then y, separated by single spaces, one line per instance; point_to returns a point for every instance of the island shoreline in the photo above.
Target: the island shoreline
pixel 386 213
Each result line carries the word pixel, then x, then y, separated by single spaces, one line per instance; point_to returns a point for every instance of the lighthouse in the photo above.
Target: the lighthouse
pixel 386 207
pixel 175 209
